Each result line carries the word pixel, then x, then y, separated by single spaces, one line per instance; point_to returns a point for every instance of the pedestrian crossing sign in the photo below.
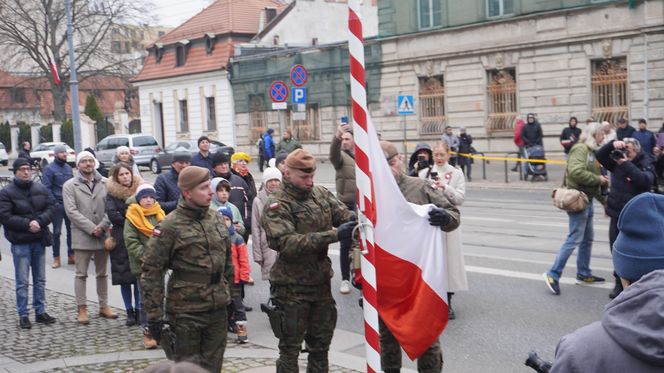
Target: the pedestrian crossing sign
pixel 405 105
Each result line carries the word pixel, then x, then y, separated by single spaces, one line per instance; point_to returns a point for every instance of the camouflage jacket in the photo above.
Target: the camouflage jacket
pixel 299 225
pixel 421 192
pixel 195 243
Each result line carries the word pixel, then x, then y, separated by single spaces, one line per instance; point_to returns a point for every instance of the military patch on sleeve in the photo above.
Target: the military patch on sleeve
pixel 156 232
pixel 274 206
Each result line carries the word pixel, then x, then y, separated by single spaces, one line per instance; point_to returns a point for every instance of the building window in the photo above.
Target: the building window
pixel 502 100
pixel 158 53
pixel 180 55
pixel 432 105
pixel 258 122
pixel 499 8
pixel 429 13
pixel 116 47
pixel 210 41
pixel 161 33
pixel 609 90
pixel 305 125
pixel 184 116
pixel 18 95
pixel 126 44
pixel 211 114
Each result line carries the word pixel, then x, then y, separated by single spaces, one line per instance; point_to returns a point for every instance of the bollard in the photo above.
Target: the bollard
pixel 506 175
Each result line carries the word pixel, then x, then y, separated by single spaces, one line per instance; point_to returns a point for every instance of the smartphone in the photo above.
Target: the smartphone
pixel 434 175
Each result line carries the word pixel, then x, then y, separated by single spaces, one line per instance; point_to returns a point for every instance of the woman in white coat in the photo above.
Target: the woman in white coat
pixel 453 184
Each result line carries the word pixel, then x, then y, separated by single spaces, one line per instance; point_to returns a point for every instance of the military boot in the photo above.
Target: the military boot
pixel 83 318
pixel 107 313
pixel 242 337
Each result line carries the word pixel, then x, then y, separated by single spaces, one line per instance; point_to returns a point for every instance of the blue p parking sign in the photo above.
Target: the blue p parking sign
pixel 300 95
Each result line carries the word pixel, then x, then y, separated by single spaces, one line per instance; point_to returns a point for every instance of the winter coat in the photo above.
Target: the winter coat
pixel 344 166
pixel 622 133
pixel 216 203
pixel 627 180
pixel 532 134
pixel 518 128
pixel 24 154
pixel 583 172
pixel 116 209
pixel 412 162
pixel 288 145
pixel 131 162
pixel 86 210
pixel 168 192
pixel 455 192
pixel 240 196
pixel 627 339
pixel 249 179
pixel 54 177
pixel 659 171
pixel 570 134
pixel 465 142
pixel 24 201
pixel 201 161
pixel 240 259
pixel 135 241
pixel 646 139
pixel 268 143
pixel 263 254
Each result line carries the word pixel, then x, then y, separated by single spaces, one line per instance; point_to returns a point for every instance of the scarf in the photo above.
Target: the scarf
pixel 137 216
pixel 240 171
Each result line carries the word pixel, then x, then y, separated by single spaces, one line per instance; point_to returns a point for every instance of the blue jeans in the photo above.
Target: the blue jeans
pixel 126 291
pixel 58 216
pixel 28 256
pixel 581 236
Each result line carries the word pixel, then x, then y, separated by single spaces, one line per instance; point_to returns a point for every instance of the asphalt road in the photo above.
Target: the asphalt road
pixel 510 237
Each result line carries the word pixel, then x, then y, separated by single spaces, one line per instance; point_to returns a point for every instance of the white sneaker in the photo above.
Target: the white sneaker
pixel 345 287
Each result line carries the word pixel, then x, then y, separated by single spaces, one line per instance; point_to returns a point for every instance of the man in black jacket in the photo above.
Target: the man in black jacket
pixel 570 135
pixel 624 130
pixel 632 173
pixel 26 210
pixel 532 132
pixel 166 184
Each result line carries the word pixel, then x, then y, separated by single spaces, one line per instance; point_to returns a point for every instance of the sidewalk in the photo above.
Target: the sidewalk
pixel 103 346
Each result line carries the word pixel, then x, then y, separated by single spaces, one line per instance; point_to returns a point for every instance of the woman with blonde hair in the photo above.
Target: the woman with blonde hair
pixel 582 173
pixel 450 180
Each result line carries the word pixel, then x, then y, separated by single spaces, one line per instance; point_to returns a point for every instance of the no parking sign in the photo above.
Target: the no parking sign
pixel 278 91
pixel 298 75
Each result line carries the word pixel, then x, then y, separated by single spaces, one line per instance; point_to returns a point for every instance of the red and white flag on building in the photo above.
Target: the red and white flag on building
pixel 54 66
pixel 409 261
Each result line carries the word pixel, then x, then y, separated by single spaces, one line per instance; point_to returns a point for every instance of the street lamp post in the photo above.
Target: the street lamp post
pixel 73 82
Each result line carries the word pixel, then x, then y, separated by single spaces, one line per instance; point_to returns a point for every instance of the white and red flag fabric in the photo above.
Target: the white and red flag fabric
pixel 409 260
pixel 54 66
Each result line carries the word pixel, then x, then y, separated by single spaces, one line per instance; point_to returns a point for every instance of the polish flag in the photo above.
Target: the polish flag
pixel 410 265
pixel 54 67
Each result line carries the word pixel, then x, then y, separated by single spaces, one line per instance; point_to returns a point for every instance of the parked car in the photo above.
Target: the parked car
pixel 164 158
pixel 43 153
pixel 142 147
pixel 4 158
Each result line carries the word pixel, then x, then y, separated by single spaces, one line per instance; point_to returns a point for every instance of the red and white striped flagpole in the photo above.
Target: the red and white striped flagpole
pixel 364 186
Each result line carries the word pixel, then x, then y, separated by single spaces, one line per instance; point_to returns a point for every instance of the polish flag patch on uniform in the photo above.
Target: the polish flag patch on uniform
pixel 274 206
pixel 156 232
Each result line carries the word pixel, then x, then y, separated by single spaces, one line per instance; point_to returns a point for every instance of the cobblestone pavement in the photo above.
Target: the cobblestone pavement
pixel 67 339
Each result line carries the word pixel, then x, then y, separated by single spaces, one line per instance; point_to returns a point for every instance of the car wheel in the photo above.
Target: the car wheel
pixel 154 167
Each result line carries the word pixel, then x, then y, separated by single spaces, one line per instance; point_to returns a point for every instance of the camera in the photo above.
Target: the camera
pixel 422 162
pixel 537 363
pixel 618 154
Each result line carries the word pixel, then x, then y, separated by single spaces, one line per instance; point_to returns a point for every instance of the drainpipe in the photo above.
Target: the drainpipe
pixel 646 104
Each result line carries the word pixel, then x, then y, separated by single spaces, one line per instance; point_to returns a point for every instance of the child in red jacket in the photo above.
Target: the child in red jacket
pixel 236 313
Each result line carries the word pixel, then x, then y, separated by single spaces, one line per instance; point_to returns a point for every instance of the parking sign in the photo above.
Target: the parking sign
pixel 299 95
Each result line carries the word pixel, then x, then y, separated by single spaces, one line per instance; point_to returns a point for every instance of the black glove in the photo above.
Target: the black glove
pixel 438 217
pixel 345 230
pixel 155 328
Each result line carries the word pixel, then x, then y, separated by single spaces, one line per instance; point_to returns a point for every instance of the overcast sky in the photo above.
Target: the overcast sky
pixel 174 12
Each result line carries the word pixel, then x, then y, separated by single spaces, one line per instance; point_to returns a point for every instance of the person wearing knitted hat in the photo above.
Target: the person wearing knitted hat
pixel 54 177
pixel 143 214
pixel 237 316
pixel 628 338
pixel 123 154
pixel 301 220
pixel 166 184
pixel 195 244
pixel 84 198
pixel 242 195
pixel 262 253
pixel 239 162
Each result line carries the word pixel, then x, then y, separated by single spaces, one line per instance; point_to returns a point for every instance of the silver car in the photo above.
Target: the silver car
pixel 142 147
pixel 164 158
pixel 4 158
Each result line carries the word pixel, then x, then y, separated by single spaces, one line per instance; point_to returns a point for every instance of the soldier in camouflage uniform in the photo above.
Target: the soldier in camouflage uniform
pixel 194 242
pixel 299 223
pixel 446 216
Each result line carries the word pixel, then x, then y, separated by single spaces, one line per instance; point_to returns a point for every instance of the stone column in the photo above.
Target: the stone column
pixel 34 134
pixel 16 146
pixel 87 131
pixel 57 127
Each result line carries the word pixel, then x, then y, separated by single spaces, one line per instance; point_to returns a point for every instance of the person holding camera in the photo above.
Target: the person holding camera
pixel 419 164
pixel 583 173
pixel 632 173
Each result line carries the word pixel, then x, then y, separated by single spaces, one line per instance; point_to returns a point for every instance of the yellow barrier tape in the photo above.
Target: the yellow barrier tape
pixel 551 161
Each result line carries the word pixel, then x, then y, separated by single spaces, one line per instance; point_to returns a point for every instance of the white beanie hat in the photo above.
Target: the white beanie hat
pixel 86 154
pixel 272 162
pixel 271 173
pixel 122 149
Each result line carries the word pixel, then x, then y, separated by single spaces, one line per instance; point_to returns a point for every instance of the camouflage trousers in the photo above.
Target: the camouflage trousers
pixel 310 314
pixel 200 338
pixel 390 354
